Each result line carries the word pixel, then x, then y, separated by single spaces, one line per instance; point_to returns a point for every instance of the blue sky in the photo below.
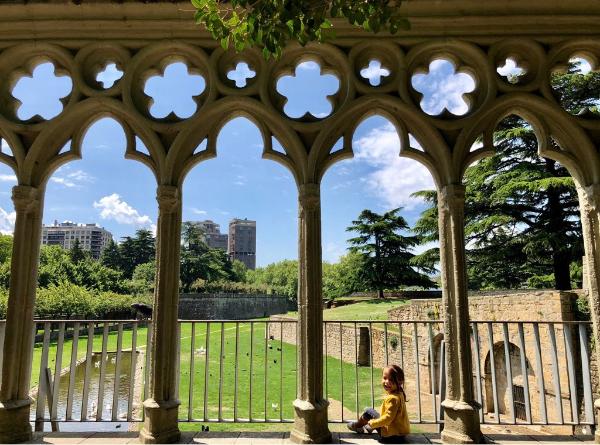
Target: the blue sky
pixel 119 194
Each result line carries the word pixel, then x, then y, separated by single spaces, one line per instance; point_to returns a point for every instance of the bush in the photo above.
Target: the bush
pixel 234 287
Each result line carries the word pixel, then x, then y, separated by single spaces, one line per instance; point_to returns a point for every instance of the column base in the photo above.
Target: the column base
pixel 310 422
pixel 597 432
pixel 461 422
pixel 160 422
pixel 14 421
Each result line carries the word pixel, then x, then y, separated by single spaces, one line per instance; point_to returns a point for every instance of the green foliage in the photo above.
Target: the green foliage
pixel 143 279
pixel 132 252
pixel 270 24
pixel 282 275
pixel 582 308
pixel 239 271
pixel 6 242
pixel 345 277
pixel 385 252
pixel 77 254
pixel 234 287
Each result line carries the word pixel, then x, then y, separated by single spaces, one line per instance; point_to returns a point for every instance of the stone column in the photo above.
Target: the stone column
pixel 160 409
pixel 310 423
pixel 461 411
pixel 18 341
pixel 589 206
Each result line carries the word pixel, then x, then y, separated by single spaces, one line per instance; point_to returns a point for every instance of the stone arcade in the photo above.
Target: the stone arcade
pixel 141 38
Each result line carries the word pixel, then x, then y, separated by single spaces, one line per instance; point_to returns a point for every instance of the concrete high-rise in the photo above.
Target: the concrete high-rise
pixel 92 237
pixel 212 234
pixel 242 242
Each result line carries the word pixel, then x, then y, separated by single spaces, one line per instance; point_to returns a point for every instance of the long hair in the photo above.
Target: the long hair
pixel 397 376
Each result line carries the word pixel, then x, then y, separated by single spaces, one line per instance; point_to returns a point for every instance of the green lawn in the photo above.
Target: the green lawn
pixel 370 309
pixel 244 396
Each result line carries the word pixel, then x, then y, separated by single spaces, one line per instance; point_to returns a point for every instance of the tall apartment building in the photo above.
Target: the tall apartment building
pixel 212 234
pixel 92 237
pixel 242 241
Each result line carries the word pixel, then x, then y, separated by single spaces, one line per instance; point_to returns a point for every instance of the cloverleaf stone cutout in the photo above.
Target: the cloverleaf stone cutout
pixel 40 93
pixel 374 72
pixel 173 92
pixel 307 91
pixel 511 71
pixel 443 88
pixel 109 75
pixel 241 74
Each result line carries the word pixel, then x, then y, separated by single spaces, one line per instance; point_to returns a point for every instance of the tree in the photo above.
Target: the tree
pixel 282 275
pixel 76 253
pixel 344 277
pixel 6 242
pixel 270 24
pixel 144 246
pixel 519 206
pixel 111 257
pixel 386 253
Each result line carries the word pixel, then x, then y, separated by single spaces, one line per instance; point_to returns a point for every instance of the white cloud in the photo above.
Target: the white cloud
pixel 8 178
pixel 72 179
pixel 7 222
pixel 112 207
pixel 332 252
pixel 394 178
pixel 198 211
pixel 442 88
pixel 308 66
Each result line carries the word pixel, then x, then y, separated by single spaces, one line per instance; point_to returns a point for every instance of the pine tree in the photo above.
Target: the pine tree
pixel 386 253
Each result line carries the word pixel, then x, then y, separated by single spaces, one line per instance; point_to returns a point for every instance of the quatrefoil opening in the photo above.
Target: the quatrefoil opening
pixel 241 74
pixel 374 73
pixel 511 71
pixel 41 93
pixel 174 91
pixel 109 75
pixel 307 91
pixel 443 88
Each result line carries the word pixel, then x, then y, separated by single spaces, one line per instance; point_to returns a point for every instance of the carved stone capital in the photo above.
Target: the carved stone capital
pixel 26 198
pixel 592 196
pixel 309 197
pixel 169 198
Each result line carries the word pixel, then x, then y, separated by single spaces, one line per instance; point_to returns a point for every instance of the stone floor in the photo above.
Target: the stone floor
pixel 277 438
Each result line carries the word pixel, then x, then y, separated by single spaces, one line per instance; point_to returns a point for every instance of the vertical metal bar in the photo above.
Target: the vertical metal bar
pixel 236 370
pixel 556 376
pixel 355 368
pixel 401 345
pixel 132 369
pixel 281 371
pixel 477 370
pixel 524 372
pixel 371 365
pixel 88 372
pixel 386 359
pixel 341 369
pixel 539 371
pixel 221 357
pixel 493 371
pixel 177 358
pixel 42 386
pixel 585 371
pixel 206 365
pixel 57 369
pixel 509 378
pixel 148 354
pixel 72 370
pixel 443 379
pixel 103 360
pixel 418 372
pixel 432 371
pixel 192 374
pixel 569 352
pixel 115 403
pixel 266 324
pixel 2 333
pixel 324 358
pixel 251 368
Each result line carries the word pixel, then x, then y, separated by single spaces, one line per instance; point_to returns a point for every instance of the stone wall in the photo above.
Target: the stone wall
pixel 415 342
pixel 230 306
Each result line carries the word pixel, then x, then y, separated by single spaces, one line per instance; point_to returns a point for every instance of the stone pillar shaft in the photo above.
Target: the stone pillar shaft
pixel 310 424
pixel 589 205
pixel 462 420
pixel 18 341
pixel 160 423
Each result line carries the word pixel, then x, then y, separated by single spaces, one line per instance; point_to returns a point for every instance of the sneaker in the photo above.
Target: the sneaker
pixel 368 429
pixel 353 426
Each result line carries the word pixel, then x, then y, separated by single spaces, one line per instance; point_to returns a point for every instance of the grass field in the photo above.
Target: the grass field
pixel 370 309
pixel 261 387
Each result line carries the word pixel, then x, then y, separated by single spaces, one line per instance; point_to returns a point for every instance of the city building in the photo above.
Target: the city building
pixel 242 242
pixel 212 234
pixel 92 237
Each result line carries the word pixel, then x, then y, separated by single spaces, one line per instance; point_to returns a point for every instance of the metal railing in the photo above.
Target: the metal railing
pixel 535 373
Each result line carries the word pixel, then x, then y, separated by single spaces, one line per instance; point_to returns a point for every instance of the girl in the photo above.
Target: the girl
pixel 393 424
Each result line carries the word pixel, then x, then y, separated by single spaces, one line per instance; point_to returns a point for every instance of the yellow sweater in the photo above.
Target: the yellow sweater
pixel 394 418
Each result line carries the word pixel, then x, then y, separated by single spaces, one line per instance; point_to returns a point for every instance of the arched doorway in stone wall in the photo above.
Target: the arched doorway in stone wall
pixel 506 391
